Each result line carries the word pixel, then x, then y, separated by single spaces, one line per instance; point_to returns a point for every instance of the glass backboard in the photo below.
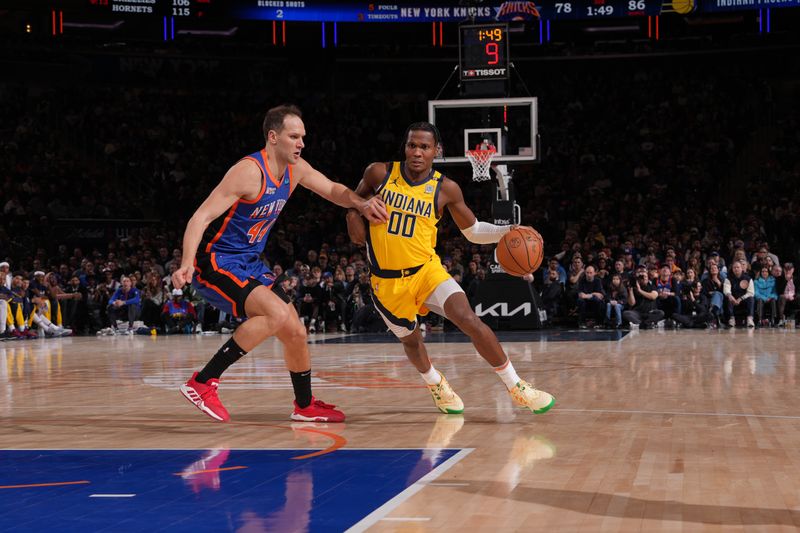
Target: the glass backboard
pixel 509 124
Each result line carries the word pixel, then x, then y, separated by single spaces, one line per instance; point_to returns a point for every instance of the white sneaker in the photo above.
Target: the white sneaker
pixel 198 328
pixel 342 328
pixel 312 328
pixel 732 322
pixel 750 323
pixel 225 330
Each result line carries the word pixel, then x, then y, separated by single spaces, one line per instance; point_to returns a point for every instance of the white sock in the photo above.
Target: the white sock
pixel 507 373
pixel 431 377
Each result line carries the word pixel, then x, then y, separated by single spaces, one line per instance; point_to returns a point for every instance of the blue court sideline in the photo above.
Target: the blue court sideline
pixel 208 490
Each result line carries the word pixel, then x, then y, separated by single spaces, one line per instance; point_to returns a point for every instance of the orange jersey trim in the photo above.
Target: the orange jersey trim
pixel 275 182
pixel 228 218
pixel 263 182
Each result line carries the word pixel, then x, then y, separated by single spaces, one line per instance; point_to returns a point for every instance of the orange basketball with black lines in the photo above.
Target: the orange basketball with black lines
pixel 520 251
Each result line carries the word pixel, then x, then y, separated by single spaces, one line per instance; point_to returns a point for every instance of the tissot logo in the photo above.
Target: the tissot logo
pixel 484 72
pixel 501 309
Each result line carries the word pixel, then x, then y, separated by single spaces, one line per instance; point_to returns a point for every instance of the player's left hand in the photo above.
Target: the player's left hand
pixel 374 210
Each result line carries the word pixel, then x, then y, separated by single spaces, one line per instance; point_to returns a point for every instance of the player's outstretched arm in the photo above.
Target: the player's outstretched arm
pixel 473 229
pixel 310 178
pixel 243 180
pixel 373 176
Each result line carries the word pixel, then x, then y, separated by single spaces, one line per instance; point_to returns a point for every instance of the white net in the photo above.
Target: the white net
pixel 481 161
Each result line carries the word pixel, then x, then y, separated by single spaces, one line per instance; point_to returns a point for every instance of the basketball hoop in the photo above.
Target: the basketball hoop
pixel 481 161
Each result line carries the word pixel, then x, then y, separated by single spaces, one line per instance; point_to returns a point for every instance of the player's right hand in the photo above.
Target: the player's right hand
pixel 374 210
pixel 182 276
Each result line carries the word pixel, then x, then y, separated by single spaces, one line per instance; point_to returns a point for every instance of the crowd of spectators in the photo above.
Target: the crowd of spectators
pixel 645 195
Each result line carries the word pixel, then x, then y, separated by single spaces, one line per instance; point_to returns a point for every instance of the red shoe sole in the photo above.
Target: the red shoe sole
pixel 208 413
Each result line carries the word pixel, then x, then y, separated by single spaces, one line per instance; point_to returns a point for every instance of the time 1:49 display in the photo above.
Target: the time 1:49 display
pixel 566 8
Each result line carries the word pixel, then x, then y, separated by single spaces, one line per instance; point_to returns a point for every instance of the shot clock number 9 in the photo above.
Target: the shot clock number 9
pixel 484 51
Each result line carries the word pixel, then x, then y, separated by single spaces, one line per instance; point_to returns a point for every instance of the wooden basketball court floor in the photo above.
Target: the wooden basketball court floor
pixel 656 431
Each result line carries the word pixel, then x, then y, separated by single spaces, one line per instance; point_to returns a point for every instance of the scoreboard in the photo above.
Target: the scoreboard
pixel 599 9
pixel 354 11
pixel 483 52
pixel 487 11
pixel 135 8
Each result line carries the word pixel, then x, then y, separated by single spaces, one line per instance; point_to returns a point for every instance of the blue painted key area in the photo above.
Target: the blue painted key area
pixel 202 490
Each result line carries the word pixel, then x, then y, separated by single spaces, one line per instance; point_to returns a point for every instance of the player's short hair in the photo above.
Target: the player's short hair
pixel 275 116
pixel 422 126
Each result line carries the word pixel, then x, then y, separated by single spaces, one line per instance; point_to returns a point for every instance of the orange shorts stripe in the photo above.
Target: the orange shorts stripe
pixel 224 272
pixel 219 291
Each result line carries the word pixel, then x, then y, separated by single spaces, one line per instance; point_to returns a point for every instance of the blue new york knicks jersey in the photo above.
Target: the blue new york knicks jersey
pixel 245 227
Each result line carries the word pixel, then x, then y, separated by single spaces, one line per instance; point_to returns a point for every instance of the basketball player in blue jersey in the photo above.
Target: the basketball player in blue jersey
pixel 221 249
pixel 407 276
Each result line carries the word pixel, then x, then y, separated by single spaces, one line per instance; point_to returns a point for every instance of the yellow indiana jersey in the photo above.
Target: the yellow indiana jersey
pixel 408 238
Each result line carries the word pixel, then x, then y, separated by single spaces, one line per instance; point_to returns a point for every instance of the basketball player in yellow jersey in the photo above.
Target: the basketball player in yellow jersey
pixel 407 276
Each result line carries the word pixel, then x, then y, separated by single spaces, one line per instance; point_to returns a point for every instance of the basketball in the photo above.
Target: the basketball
pixel 684 7
pixel 520 251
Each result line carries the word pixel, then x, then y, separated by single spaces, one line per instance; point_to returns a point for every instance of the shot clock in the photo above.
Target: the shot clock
pixel 483 52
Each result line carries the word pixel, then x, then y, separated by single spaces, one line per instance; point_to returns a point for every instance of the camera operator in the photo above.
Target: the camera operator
pixel 695 307
pixel 642 300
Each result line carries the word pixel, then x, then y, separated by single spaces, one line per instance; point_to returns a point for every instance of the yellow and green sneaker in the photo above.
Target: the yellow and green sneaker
pixel 446 398
pixel 524 395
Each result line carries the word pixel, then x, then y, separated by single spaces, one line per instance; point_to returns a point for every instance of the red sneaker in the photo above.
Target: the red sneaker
pixel 317 411
pixel 30 334
pixel 204 396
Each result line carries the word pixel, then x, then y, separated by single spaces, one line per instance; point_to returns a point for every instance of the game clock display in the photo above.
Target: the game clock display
pixel 598 9
pixel 483 52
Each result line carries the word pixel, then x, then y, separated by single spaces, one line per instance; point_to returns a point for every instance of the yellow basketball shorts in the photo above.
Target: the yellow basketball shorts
pixel 400 300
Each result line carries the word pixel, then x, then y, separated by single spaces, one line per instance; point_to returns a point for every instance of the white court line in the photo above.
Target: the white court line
pixel 443 484
pixel 674 413
pixel 378 514
pixel 407 519
pixel 112 495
